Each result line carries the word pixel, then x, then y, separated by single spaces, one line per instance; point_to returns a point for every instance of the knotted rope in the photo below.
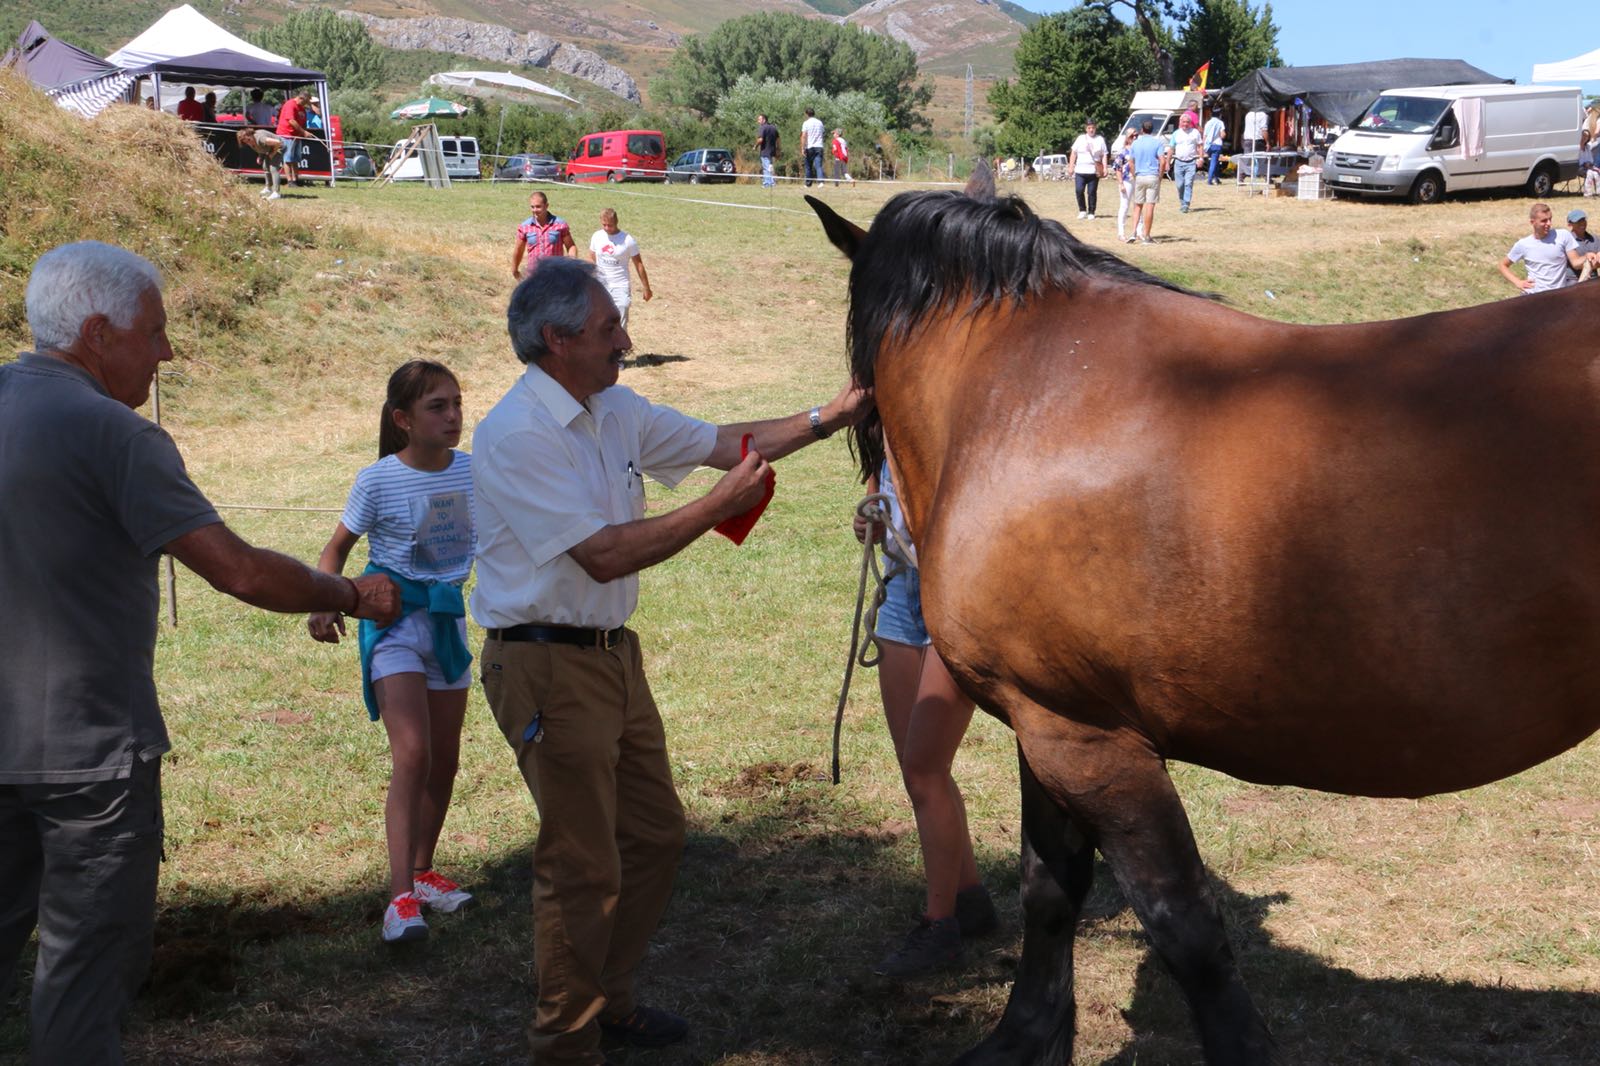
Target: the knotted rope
pixel 874 509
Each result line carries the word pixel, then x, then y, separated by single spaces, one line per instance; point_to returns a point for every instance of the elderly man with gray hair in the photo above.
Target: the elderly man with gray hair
pixel 93 494
pixel 558 477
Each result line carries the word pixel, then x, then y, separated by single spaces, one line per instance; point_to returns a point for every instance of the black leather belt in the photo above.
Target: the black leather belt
pixel 538 634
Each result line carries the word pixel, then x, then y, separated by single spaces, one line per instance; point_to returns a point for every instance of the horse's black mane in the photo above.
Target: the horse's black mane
pixel 931 252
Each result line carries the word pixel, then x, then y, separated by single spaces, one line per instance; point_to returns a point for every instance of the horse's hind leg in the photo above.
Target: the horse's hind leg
pixel 1057 868
pixel 1120 791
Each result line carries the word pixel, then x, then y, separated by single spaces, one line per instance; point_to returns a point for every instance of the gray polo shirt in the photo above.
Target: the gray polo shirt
pixel 90 491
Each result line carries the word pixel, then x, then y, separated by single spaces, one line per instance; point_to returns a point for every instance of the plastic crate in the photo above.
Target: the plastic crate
pixel 1309 185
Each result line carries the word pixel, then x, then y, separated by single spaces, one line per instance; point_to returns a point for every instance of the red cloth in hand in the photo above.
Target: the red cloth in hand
pixel 738 527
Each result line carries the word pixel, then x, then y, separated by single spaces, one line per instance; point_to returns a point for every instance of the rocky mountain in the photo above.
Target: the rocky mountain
pixel 947 34
pixel 498 45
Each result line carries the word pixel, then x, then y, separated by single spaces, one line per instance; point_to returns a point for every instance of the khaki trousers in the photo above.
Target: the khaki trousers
pixel 611 827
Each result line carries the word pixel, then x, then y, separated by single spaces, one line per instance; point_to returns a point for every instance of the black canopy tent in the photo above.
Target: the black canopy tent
pixel 1340 92
pixel 49 62
pixel 231 69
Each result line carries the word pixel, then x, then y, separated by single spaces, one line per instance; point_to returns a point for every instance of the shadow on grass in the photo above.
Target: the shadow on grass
pixel 782 906
pixel 1322 1014
pixel 652 359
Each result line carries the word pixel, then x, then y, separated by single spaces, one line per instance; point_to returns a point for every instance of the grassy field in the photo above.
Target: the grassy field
pixel 1459 929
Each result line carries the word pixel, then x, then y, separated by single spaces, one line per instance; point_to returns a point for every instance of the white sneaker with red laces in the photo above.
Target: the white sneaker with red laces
pixel 403 920
pixel 439 892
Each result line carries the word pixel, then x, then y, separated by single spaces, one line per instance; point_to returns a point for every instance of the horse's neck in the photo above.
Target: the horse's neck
pixel 916 396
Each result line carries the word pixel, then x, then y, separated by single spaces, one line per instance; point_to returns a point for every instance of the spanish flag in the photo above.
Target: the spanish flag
pixel 1200 76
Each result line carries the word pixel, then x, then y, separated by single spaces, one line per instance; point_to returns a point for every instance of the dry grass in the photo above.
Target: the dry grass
pixel 1461 929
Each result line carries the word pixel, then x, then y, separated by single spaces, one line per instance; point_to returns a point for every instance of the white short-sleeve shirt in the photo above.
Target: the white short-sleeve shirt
pixel 1546 260
pixel 612 253
pixel 548 473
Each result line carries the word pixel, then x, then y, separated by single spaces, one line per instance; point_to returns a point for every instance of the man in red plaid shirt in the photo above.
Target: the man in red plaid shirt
pixel 540 234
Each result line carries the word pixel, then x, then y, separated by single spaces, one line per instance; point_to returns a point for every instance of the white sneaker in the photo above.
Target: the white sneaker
pixel 1091 217
pixel 266 190
pixel 275 196
pixel 402 920
pixel 1083 214
pixel 439 893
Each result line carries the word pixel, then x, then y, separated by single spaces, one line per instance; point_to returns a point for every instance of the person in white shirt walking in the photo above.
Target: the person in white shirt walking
pixel 1186 141
pixel 811 134
pixel 1212 136
pixel 610 250
pixel 1087 162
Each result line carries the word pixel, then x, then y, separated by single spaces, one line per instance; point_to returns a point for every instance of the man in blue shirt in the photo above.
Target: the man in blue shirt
pixel 1150 157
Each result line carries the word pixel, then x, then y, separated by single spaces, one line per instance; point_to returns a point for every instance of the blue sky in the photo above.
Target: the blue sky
pixel 1504 37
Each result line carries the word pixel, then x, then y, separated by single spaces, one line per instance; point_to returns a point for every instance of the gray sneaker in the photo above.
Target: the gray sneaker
pixel 975 912
pixel 929 947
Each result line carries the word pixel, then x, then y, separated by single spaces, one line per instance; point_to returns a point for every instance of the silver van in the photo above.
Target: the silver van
pixel 1423 142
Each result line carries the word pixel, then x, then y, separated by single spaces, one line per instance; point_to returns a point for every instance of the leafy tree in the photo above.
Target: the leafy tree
pixel 1147 17
pixel 1234 37
pixel 831 57
pixel 321 40
pixel 862 119
pixel 1080 64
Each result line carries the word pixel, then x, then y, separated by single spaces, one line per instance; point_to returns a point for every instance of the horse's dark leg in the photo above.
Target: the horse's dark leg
pixel 1143 832
pixel 1057 868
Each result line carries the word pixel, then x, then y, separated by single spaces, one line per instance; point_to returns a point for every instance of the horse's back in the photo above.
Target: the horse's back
pixel 1357 558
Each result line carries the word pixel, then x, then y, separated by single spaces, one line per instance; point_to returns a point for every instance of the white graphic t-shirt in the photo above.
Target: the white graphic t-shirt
pixel 417 523
pixel 611 255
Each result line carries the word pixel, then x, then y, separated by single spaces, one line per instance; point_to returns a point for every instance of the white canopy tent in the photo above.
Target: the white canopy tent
pixel 1583 68
pixel 467 80
pixel 183 31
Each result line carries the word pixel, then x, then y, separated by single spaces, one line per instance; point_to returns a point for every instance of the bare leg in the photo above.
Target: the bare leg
pixel 938 720
pixel 403 708
pixel 446 710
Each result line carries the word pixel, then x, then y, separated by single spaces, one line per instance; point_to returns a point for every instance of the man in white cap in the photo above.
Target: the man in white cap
pixel 1584 243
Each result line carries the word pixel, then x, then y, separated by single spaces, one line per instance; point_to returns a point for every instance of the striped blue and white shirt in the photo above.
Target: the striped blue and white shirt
pixel 418 523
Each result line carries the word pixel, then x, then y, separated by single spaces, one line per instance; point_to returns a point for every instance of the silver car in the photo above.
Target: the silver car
pixel 528 167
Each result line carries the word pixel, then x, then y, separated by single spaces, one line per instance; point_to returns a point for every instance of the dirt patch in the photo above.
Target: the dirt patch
pixel 764 779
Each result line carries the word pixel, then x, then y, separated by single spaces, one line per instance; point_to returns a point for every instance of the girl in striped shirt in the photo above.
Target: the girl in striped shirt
pixel 414 505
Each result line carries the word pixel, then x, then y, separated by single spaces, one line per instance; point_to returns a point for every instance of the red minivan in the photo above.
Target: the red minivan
pixel 619 155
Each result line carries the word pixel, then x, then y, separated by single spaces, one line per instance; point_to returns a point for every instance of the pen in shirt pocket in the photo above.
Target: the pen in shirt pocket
pixel 535 731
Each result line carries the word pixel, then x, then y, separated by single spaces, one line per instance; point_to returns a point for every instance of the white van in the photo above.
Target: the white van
pixel 1163 107
pixel 1420 143
pixel 460 160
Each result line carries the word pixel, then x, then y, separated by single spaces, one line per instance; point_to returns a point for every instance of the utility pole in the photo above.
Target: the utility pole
pixel 968 126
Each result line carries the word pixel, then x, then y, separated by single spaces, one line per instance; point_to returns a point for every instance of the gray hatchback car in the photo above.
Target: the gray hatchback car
pixel 702 165
pixel 528 167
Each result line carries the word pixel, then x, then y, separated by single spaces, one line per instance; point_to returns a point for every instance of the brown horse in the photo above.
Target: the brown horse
pixel 1364 559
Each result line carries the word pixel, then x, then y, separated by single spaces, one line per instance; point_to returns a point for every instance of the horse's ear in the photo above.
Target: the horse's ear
pixel 981 185
pixel 845 235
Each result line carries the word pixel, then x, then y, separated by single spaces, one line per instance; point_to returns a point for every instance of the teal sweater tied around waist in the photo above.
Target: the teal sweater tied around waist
pixel 444 605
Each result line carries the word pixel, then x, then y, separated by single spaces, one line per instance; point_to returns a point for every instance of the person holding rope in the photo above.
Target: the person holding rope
pixel 94 494
pixel 927 715
pixel 414 505
pixel 292 124
pixel 269 150
pixel 558 469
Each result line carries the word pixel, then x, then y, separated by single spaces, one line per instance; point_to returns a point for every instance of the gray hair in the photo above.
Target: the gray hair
pixel 74 282
pixel 559 293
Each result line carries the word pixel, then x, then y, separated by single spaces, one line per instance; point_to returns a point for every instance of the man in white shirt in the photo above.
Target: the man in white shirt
pixel 1546 253
pixel 1087 161
pixel 558 467
pixel 610 250
pixel 1186 142
pixel 1212 135
pixel 811 134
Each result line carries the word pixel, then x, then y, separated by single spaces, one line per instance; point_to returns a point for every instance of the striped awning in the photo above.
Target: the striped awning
pixel 92 96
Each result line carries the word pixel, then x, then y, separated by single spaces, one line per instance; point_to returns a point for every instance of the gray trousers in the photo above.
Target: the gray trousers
pixel 80 864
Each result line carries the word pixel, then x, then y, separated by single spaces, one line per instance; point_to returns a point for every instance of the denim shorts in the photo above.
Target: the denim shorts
pixel 900 617
pixel 407 648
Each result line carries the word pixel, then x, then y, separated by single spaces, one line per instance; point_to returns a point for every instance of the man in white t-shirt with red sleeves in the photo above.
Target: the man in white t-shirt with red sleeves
pixel 610 250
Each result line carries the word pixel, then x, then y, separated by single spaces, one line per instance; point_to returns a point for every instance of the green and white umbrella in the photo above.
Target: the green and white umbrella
pixel 429 107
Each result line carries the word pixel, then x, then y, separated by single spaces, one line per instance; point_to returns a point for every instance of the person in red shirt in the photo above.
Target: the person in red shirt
pixel 189 108
pixel 541 234
pixel 292 124
pixel 841 159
